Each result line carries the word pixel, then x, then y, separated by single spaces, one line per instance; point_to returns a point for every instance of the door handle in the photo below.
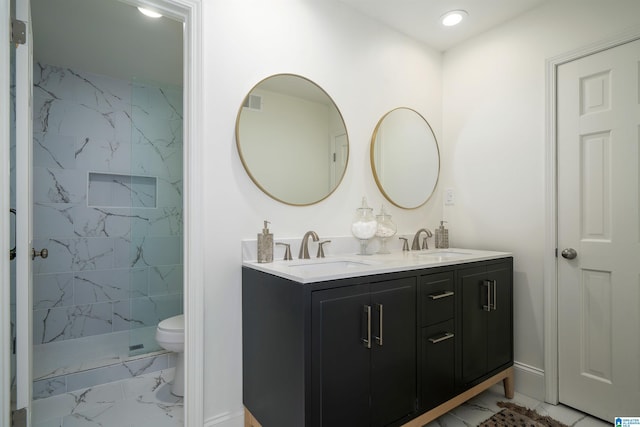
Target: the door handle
pixel 380 308
pixel 488 306
pixel 43 253
pixel 569 253
pixel 367 340
pixel 494 304
pixel 12 251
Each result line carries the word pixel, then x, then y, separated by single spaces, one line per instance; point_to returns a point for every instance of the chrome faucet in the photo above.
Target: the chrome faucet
pixel 415 245
pixel 304 246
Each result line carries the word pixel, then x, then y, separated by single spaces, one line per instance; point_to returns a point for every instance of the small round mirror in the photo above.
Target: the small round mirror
pixel 292 140
pixel 405 158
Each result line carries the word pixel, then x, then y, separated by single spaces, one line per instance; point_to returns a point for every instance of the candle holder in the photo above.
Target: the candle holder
pixel 386 229
pixel 364 225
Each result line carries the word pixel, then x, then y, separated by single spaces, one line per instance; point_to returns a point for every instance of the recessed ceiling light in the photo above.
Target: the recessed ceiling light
pixel 453 17
pixel 149 13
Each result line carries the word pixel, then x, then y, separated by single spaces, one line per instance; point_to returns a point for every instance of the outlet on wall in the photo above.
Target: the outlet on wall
pixel 449 197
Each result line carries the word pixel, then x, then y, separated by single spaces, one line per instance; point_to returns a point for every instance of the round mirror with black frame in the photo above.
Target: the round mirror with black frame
pixel 292 140
pixel 405 158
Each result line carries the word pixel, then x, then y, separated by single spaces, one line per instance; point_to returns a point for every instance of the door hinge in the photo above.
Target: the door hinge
pixel 18 32
pixel 19 418
pixel 556 252
pixel 14 345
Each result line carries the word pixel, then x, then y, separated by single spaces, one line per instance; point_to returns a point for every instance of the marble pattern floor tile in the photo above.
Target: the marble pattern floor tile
pixel 146 400
pixel 136 402
pixel 483 406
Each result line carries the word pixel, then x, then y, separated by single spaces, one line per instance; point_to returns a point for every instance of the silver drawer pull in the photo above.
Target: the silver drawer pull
pixel 443 294
pixel 446 336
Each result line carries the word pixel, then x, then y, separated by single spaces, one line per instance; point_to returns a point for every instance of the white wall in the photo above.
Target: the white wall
pixel 494 141
pixel 367 70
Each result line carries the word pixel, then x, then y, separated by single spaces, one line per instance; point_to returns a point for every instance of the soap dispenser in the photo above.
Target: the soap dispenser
pixel 442 236
pixel 265 244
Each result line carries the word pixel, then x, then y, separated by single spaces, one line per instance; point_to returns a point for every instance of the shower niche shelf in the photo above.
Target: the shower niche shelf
pixel 122 191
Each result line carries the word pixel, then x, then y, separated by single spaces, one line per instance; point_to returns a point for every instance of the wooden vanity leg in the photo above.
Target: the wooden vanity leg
pixel 249 420
pixel 507 383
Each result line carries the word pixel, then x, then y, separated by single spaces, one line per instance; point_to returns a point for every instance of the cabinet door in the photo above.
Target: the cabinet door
pixel 340 358
pixel 393 356
pixel 500 318
pixel 486 319
pixel 473 296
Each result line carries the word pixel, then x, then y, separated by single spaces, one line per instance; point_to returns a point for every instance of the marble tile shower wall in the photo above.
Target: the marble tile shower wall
pixel 117 264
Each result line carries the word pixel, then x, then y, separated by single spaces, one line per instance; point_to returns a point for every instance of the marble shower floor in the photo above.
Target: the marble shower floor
pixel 146 401
pixel 135 402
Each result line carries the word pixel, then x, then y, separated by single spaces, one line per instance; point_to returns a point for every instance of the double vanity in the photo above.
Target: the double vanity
pixel 371 340
pixel 380 340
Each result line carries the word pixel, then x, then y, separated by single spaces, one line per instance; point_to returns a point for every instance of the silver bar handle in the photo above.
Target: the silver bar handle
pixel 494 284
pixel 442 294
pixel 367 341
pixel 379 307
pixel 446 336
pixel 487 306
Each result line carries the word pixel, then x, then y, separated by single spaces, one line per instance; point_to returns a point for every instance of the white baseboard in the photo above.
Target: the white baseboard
pixel 226 419
pixel 529 381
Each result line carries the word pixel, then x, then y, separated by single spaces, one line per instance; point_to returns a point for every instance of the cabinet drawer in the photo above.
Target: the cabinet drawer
pixel 437 298
pixel 438 364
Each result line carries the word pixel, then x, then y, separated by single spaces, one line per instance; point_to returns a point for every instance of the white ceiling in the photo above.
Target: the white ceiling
pixel 420 19
pixel 112 38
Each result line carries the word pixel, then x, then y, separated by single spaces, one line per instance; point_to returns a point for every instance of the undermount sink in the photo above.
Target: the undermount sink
pixel 443 254
pixel 326 266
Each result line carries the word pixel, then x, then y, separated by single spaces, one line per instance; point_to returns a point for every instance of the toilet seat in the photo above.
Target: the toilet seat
pixel 172 324
pixel 171 331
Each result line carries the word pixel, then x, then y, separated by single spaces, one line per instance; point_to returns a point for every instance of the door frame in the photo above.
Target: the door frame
pixel 5 285
pixel 551 370
pixel 189 12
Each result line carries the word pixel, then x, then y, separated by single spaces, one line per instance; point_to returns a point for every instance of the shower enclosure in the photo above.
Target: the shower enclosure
pixel 107 192
pixel 107 204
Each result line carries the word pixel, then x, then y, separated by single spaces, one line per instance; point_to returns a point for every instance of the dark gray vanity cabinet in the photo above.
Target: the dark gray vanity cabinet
pixel 373 351
pixel 364 354
pixel 438 338
pixel 485 298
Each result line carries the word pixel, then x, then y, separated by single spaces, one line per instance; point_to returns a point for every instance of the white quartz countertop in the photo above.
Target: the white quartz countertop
pixel 345 266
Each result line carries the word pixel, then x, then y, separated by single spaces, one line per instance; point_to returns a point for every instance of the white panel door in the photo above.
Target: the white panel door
pixel 598 127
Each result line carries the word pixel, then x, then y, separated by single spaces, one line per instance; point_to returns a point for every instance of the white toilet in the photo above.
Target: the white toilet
pixel 170 336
